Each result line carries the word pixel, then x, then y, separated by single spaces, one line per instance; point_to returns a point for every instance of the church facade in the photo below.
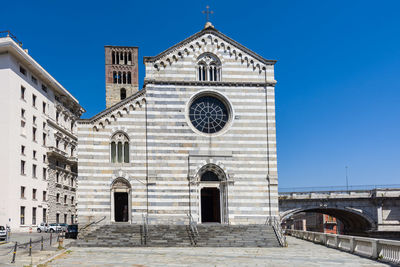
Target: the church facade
pixel 198 140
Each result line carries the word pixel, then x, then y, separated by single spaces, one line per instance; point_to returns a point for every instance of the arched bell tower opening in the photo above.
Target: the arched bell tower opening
pixel 213 204
pixel 121 200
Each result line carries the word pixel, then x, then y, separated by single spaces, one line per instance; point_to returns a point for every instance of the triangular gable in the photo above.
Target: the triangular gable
pixel 115 107
pixel 209 29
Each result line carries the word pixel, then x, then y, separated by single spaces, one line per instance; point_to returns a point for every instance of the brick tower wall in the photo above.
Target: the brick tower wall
pixel 121 66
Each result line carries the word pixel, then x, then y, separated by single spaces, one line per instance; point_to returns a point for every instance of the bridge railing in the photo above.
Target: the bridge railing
pixel 288 190
pixel 378 249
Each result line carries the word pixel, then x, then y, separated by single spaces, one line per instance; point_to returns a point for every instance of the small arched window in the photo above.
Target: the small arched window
pixel 208 68
pixel 115 77
pixel 113 57
pixel 123 93
pixel 129 77
pixel 119 77
pixel 119 148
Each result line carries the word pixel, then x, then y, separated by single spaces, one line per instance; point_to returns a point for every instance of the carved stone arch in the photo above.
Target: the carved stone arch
pixel 131 107
pixel 121 199
pixel 218 165
pixel 118 129
pixel 119 113
pixel 125 109
pixel 107 121
pixel 113 118
pixel 95 128
pixel 214 52
pixel 101 125
pixel 143 100
pixel 137 104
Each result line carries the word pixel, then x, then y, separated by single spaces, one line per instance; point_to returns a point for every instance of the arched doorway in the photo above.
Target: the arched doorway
pixel 121 200
pixel 213 195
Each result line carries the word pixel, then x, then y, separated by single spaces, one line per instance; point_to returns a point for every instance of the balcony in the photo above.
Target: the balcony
pixel 53 151
pixel 73 189
pixel 73 159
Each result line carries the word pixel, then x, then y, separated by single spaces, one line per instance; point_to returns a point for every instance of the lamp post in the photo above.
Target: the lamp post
pixel 347 180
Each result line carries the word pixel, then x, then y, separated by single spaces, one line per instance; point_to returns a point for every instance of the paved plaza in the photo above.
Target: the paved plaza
pixel 299 253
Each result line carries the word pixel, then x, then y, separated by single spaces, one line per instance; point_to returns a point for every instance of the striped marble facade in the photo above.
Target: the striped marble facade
pixel 167 152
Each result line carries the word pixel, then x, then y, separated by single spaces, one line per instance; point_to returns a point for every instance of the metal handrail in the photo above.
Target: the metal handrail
pixel 276 226
pixel 12 36
pixel 193 229
pixel 145 229
pixel 288 190
pixel 86 226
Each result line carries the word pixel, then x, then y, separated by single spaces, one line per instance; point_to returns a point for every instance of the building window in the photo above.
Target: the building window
pixel 34 80
pixel 57 115
pixel 22 167
pixel 34 120
pixel 44 173
pixel 34 194
pixel 34 154
pixel 44 139
pixel 44 107
pixel 23 129
pixel 57 178
pixel 23 89
pixel 44 215
pixel 44 125
pixel 208 67
pixel 208 114
pixel 65 218
pixel 72 200
pixel 58 198
pixel 34 134
pixel 22 113
pixel 22 191
pixel 72 219
pixel 65 199
pixel 22 70
pixel 129 78
pixel 44 195
pixel 22 215
pixel 57 218
pixel 33 100
pixel 120 148
pixel 34 170
pixel 34 216
pixel 23 150
pixel 44 158
pixel 123 93
pixel 57 143
pixel 44 88
pixel 65 147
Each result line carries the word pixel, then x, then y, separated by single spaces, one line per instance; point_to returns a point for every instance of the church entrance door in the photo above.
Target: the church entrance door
pixel 121 207
pixel 210 205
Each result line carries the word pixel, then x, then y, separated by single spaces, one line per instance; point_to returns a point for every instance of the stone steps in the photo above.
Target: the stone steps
pixel 213 235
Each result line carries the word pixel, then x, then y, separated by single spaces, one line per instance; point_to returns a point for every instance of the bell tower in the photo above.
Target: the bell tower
pixel 121 73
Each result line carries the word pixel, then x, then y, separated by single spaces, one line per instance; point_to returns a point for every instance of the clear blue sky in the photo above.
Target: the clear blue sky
pixel 338 70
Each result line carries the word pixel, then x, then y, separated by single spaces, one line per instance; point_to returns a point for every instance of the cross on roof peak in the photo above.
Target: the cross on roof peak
pixel 208 12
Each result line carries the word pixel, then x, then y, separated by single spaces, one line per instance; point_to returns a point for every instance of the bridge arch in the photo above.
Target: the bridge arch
pixel 354 221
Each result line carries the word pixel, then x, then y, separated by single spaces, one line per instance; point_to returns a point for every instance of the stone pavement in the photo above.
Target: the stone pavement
pixel 299 253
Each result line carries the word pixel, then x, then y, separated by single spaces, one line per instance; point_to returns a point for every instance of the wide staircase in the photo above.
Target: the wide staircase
pixel 236 236
pixel 208 235
pixel 113 235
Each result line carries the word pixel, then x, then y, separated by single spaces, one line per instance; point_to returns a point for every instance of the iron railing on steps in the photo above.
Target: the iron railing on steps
pixel 83 231
pixel 276 226
pixel 194 234
pixel 145 230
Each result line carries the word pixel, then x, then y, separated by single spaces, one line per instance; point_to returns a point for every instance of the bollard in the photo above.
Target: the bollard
pixel 41 244
pixel 30 247
pixel 14 253
pixel 51 237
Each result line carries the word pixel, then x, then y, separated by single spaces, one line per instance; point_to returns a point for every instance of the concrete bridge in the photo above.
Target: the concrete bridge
pixel 365 212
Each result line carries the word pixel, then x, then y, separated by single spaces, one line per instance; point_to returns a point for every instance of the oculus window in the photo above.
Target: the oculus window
pixel 208 114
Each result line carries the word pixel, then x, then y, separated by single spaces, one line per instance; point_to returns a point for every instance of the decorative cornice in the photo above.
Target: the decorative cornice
pixel 209 30
pixel 112 108
pixel 209 83
pixel 59 128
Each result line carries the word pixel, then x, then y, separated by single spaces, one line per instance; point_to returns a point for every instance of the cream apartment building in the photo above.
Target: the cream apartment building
pixel 38 168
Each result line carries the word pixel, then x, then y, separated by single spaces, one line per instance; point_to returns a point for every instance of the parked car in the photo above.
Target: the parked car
pixel 3 233
pixel 64 227
pixel 72 231
pixel 43 227
pixel 54 227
